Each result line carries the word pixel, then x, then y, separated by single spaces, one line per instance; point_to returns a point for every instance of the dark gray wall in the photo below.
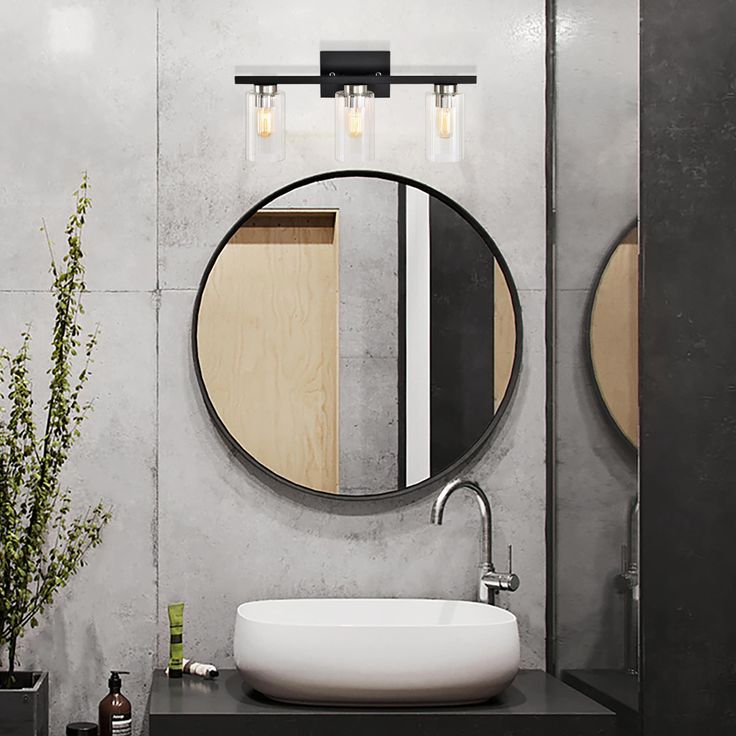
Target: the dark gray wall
pixel 688 366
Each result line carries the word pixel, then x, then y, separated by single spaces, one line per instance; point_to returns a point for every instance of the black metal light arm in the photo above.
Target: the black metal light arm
pixel 356 79
pixel 372 68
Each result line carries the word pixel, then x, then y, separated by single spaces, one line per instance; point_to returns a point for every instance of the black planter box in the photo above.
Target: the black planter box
pixel 24 709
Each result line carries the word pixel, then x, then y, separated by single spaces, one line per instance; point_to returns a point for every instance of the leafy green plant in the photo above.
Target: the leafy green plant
pixel 43 542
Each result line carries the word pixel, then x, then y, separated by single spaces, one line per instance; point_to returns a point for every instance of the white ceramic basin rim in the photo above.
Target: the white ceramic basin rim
pixel 376 651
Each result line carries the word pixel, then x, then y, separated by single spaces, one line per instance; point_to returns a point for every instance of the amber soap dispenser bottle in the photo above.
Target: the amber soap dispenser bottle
pixel 115 712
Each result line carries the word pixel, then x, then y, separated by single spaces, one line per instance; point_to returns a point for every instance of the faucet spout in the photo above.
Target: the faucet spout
pixel 490 581
pixel 438 510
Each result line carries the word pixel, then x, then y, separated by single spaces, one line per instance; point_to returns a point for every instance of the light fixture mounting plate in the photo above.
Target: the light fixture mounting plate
pixel 350 64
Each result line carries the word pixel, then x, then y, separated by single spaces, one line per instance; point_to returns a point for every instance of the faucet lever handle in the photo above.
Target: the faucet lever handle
pixel 508 581
pixel 624 558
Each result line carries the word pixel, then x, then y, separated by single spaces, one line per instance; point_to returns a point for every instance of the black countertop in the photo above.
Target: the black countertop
pixel 535 704
pixel 615 689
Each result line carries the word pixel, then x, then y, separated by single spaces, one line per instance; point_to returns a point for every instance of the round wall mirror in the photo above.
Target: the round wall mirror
pixel 357 334
pixel 613 333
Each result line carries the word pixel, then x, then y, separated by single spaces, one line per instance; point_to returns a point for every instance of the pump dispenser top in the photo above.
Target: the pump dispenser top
pixel 115 710
pixel 115 683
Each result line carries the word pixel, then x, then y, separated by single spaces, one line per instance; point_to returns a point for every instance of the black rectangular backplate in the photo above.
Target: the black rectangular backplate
pixel 354 63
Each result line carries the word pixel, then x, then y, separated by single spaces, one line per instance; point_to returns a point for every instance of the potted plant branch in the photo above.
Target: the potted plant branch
pixel 43 539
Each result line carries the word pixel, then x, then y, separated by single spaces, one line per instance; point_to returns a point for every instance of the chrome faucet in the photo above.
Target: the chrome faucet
pixel 627 583
pixel 490 581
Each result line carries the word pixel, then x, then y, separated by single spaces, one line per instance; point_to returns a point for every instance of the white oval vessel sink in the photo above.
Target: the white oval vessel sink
pixel 376 651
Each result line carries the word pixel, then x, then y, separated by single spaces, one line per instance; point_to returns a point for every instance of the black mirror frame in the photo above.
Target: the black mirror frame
pixel 450 470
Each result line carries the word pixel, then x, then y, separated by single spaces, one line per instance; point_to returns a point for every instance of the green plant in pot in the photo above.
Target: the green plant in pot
pixel 43 537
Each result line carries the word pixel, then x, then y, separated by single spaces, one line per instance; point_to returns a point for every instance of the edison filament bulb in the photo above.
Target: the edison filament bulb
pixel 265 128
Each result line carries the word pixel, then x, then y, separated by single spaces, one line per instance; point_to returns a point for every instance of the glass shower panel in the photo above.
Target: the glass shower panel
pixel 595 479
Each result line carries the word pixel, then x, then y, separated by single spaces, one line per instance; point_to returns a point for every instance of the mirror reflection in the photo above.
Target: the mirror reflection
pixel 614 336
pixel 357 336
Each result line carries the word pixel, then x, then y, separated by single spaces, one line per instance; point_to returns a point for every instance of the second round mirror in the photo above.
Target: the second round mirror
pixel 614 335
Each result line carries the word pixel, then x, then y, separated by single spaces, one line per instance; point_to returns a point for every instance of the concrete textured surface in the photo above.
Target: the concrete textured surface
pixel 105 619
pixel 141 95
pixel 597 481
pixel 369 425
pixel 205 184
pixel 597 189
pixel 82 81
pixel 227 536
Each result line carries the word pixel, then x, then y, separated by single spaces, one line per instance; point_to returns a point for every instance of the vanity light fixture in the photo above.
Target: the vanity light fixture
pixel 355 79
pixel 355 130
pixel 445 123
pixel 265 129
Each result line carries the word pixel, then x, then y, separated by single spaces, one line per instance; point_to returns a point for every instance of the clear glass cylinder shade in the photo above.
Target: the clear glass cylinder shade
pixel 265 126
pixel 355 129
pixel 445 127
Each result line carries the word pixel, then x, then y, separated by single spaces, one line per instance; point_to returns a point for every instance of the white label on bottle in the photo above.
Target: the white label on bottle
pixel 122 726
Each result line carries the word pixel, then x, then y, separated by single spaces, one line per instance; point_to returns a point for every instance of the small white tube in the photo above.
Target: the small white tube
pixel 208 671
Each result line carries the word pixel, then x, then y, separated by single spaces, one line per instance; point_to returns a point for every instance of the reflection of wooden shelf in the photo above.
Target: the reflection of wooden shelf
pixel 306 227
pixel 268 342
